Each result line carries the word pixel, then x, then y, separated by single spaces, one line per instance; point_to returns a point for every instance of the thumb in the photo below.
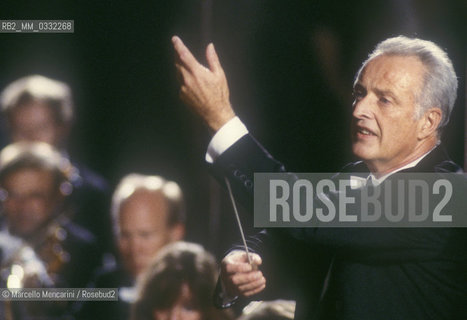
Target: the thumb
pixel 256 259
pixel 213 59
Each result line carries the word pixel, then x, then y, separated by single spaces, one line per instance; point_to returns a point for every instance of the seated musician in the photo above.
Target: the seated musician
pixel 148 213
pixel 34 191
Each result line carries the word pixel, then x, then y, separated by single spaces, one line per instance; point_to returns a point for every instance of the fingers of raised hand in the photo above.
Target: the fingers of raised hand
pixel 204 90
pixel 213 60
pixel 184 56
pixel 195 86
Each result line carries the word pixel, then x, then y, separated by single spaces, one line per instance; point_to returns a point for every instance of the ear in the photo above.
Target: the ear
pixel 429 123
pixel 177 232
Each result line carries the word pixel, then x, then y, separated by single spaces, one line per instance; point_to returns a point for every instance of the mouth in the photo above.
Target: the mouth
pixel 364 132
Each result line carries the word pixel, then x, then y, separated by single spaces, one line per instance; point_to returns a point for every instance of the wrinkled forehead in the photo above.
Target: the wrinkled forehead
pixel 401 72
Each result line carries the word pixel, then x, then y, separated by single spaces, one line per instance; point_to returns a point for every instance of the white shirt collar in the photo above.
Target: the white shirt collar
pixel 358 182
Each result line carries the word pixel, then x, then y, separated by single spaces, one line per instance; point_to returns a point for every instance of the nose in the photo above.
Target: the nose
pixel 135 246
pixel 363 108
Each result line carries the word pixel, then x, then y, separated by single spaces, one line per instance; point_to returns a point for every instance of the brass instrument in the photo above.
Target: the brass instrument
pixel 21 265
pixel 20 268
pixel 36 263
pixel 49 248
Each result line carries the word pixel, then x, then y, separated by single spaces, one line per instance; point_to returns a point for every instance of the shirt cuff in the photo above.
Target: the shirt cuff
pixel 225 137
pixel 222 299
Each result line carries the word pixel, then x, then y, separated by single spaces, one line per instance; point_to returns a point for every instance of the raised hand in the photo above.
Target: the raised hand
pixel 205 90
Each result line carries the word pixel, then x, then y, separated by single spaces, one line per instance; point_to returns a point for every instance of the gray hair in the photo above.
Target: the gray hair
pixel 36 155
pixel 133 182
pixel 55 94
pixel 440 80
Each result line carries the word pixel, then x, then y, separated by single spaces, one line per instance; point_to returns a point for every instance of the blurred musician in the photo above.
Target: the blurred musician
pixel 148 213
pixel 40 109
pixel 34 181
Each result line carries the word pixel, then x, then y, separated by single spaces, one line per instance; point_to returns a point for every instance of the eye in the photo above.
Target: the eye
pixel 145 234
pixel 358 93
pixel 384 100
pixel 124 235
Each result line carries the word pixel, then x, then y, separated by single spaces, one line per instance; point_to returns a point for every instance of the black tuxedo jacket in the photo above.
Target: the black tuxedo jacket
pixel 356 273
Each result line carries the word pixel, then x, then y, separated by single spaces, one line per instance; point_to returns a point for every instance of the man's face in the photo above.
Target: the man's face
pixel 144 229
pixel 35 121
pixel 384 126
pixel 32 200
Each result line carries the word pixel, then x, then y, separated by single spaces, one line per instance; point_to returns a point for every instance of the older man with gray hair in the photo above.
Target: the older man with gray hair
pixel 404 94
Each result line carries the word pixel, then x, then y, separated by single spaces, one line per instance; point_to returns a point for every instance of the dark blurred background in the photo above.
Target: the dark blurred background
pixel 290 67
